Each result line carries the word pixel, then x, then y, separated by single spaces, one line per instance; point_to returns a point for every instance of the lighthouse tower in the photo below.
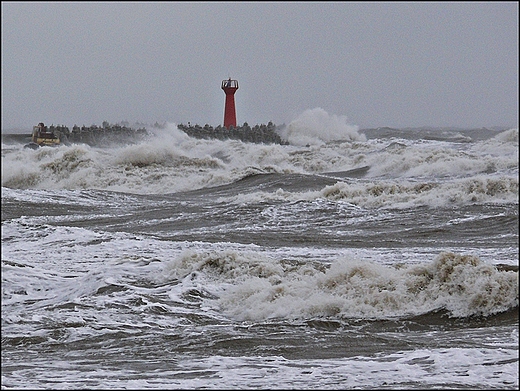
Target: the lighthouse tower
pixel 230 117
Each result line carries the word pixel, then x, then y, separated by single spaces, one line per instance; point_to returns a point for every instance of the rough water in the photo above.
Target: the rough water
pixel 378 258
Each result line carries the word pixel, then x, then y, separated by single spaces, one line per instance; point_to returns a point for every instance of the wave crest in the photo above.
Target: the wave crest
pixel 252 287
pixel 406 194
pixel 316 126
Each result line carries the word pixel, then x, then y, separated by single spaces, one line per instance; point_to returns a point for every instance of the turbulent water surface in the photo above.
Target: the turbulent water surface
pixel 385 258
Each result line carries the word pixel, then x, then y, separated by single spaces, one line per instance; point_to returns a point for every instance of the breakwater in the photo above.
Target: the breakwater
pixel 108 134
pixel 94 135
pixel 265 134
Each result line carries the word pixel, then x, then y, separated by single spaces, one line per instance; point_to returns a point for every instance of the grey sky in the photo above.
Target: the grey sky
pixel 379 64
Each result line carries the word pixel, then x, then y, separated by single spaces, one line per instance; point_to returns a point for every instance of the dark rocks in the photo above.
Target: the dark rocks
pixel 265 134
pixel 104 135
pixel 107 134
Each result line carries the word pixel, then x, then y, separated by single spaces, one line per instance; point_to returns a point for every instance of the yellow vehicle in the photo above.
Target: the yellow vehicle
pixel 41 136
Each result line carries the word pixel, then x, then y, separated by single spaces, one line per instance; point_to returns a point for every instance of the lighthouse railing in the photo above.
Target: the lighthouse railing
pixel 229 83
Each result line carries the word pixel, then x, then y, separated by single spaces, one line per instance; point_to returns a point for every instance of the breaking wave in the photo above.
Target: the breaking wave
pixel 253 288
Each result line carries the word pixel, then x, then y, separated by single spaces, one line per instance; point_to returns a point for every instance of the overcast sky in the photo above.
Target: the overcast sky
pixel 378 64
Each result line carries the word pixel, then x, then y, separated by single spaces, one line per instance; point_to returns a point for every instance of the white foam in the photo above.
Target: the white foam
pixel 405 193
pixel 316 126
pixel 422 369
pixel 258 288
pixel 170 161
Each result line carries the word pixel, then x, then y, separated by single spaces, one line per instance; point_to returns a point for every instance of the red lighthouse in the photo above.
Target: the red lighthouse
pixel 230 117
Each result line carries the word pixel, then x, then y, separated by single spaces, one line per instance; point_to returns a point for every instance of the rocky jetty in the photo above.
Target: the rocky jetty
pixel 106 134
pixel 110 134
pixel 264 134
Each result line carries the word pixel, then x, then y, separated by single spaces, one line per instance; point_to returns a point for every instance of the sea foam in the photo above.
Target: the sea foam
pixel 258 288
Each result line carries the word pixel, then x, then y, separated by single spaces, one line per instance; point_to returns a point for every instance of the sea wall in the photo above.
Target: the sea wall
pixel 108 134
pixel 257 134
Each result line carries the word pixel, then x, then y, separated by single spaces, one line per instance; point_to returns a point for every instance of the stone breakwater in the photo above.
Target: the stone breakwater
pixel 101 135
pixel 108 134
pixel 265 134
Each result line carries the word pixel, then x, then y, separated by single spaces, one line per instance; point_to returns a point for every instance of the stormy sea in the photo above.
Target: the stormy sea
pixel 345 258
